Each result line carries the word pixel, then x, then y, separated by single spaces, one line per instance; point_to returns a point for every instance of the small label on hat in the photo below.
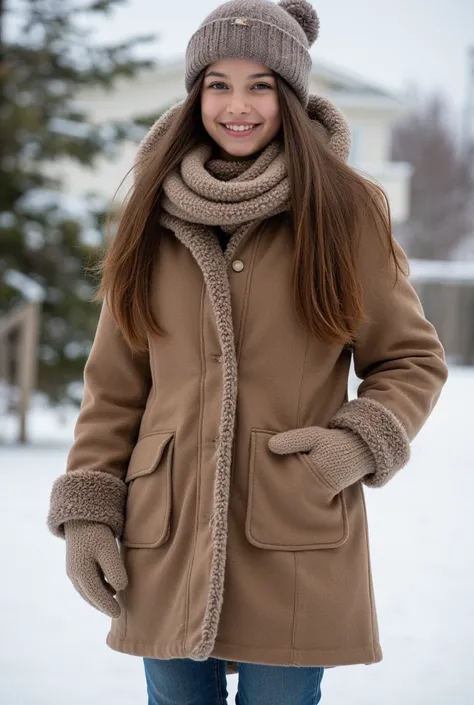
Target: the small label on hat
pixel 242 21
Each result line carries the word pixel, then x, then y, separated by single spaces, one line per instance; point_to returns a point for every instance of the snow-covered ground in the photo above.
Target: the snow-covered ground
pixel 52 644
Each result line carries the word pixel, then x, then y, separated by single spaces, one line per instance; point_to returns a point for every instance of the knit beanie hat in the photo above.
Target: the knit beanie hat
pixel 277 35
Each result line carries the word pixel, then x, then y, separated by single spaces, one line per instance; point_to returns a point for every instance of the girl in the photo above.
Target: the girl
pixel 216 440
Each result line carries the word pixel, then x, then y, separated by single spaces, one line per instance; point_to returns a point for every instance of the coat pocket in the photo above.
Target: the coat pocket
pixel 148 507
pixel 290 506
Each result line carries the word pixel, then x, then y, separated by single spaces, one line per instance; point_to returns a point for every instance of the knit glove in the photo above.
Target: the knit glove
pixel 340 455
pixel 94 564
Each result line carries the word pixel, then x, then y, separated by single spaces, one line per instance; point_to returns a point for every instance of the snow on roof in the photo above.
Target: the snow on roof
pixel 348 81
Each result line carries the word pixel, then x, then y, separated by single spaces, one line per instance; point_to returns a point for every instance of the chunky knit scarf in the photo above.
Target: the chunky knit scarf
pixel 227 193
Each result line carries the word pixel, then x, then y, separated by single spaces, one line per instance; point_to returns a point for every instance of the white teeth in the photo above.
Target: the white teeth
pixel 240 128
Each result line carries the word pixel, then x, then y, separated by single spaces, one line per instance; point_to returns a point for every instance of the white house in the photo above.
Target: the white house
pixel 371 112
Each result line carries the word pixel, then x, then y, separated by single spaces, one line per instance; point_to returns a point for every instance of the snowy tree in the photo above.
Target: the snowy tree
pixel 47 56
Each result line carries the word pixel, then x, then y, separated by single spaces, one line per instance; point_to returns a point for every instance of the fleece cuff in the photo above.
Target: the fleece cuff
pixel 382 432
pixel 87 494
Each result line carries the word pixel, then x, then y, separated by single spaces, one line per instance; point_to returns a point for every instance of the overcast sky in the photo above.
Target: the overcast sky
pixel 394 43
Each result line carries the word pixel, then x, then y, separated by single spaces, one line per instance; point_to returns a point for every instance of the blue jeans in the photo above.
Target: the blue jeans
pixel 188 682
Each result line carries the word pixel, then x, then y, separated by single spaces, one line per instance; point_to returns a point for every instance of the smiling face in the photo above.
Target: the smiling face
pixel 239 106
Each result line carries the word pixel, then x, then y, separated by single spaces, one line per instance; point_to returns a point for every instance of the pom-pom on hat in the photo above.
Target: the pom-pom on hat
pixel 277 35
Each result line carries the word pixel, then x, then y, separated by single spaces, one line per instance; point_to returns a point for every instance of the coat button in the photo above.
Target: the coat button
pixel 237 265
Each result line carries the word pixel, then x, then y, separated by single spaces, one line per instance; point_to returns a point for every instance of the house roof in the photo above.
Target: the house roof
pixel 341 83
pixel 342 80
pixel 347 90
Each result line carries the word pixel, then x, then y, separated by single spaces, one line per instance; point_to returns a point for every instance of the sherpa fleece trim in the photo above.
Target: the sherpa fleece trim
pixel 206 250
pixel 383 433
pixel 87 494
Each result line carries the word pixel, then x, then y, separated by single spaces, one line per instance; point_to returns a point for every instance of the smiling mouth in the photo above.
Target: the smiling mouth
pixel 242 131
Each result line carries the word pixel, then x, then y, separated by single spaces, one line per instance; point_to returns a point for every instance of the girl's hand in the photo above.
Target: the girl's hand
pixel 339 454
pixel 94 564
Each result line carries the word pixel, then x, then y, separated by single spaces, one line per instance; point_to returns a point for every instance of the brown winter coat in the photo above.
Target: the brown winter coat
pixel 296 582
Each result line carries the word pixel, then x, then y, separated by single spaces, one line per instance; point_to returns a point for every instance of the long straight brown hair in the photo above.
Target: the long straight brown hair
pixel 329 201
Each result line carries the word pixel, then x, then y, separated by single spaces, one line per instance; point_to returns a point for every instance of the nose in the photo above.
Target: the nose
pixel 237 105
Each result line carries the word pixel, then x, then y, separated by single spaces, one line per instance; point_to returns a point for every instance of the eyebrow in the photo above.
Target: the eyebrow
pixel 253 75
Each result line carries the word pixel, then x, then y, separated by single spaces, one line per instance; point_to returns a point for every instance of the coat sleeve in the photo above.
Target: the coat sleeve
pixel 116 388
pixel 397 355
